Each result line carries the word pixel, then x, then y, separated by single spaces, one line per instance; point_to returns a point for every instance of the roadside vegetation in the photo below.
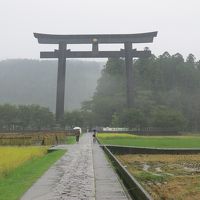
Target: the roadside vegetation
pixel 149 141
pixel 20 167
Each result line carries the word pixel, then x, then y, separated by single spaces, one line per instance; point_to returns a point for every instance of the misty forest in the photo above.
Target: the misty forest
pixel 166 94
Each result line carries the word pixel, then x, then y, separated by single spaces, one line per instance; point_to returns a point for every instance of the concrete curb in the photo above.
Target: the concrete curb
pixel 136 191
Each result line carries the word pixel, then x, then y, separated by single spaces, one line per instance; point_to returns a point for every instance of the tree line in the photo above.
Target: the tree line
pixel 166 94
pixel 36 117
pixel 25 117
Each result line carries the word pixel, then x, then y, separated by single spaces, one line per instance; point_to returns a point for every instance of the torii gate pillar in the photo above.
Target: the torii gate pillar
pixel 129 74
pixel 60 97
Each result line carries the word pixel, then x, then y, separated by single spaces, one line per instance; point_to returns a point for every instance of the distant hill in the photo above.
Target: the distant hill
pixel 24 81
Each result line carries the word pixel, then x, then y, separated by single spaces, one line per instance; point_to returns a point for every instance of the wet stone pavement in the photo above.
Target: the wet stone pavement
pixel 77 181
pixel 83 173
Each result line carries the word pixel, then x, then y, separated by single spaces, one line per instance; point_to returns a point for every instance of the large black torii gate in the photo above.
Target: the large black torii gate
pixel 62 53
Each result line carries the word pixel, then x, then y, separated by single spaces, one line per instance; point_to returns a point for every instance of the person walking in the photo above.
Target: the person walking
pixel 94 136
pixel 77 134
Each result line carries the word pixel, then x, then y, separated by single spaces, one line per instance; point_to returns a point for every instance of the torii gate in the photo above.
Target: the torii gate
pixel 62 53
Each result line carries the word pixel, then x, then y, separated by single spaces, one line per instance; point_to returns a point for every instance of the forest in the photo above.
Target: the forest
pixel 166 95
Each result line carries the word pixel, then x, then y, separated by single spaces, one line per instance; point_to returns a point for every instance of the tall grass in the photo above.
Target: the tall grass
pixel 12 157
pixel 34 138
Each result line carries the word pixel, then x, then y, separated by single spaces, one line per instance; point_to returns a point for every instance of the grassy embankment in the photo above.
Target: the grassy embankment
pixel 150 141
pixel 20 167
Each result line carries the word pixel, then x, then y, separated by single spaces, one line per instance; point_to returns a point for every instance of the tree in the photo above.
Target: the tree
pixel 40 117
pixel 163 117
pixel 8 116
pixel 72 119
pixel 24 116
pixel 198 65
pixel 110 93
pixel 131 118
pixel 190 59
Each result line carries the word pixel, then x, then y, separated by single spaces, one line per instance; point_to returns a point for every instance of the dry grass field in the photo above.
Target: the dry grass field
pixel 166 177
pixel 38 138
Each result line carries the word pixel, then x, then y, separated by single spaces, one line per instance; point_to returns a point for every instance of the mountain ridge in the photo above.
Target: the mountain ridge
pixel 27 81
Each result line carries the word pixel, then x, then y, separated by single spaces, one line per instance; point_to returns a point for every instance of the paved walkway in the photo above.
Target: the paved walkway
pixel 106 181
pixel 83 173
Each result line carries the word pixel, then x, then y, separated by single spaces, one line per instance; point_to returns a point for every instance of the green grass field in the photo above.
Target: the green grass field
pixel 150 141
pixel 71 139
pixel 15 183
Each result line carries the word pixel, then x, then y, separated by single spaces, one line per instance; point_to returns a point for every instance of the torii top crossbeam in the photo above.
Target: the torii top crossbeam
pixel 94 40
pixel 101 38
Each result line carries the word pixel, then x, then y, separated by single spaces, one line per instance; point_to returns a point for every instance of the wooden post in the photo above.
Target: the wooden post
pixel 129 74
pixel 61 82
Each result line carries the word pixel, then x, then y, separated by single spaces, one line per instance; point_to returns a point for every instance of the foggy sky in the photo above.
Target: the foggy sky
pixel 177 23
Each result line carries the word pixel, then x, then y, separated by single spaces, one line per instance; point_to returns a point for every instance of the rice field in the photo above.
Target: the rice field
pixel 167 177
pixel 149 141
pixel 37 138
pixel 12 157
pixel 32 163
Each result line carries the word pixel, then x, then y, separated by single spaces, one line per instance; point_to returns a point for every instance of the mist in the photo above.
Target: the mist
pixel 177 23
pixel 34 82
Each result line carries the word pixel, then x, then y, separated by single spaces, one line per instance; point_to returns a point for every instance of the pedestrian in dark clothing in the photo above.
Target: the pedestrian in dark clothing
pixel 94 136
pixel 77 134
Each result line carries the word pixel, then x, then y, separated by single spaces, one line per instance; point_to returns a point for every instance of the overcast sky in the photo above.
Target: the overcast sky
pixel 177 23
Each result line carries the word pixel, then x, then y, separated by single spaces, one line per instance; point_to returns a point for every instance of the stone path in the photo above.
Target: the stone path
pixel 107 183
pixel 83 173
